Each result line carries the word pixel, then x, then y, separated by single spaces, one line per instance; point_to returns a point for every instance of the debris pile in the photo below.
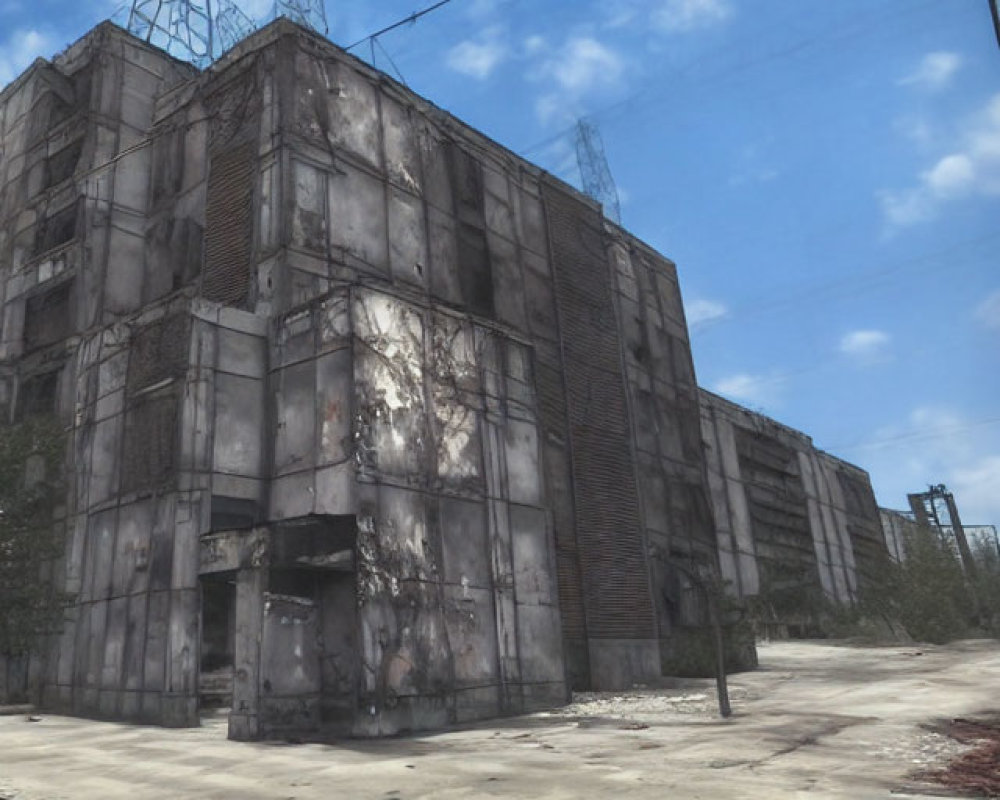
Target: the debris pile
pixel 977 772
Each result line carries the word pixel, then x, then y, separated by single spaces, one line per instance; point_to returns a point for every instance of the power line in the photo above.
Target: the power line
pixel 853 28
pixel 916 435
pixel 855 283
pixel 406 20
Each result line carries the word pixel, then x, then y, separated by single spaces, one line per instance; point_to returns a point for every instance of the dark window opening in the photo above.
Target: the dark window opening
pixel 475 276
pixel 168 167
pixel 322 542
pixel 299 583
pixel 38 395
pixel 234 513
pixel 48 316
pixel 62 165
pixel 55 230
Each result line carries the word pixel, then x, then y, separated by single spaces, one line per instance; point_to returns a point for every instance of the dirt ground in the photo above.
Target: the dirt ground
pixel 816 720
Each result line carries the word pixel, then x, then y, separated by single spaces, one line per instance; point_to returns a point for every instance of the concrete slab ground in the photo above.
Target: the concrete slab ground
pixel 817 720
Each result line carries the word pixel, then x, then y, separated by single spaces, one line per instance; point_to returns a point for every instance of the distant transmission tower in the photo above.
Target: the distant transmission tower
pixel 594 170
pixel 190 29
pixel 936 509
pixel 310 13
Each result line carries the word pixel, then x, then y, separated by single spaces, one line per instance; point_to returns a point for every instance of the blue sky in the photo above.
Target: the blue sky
pixel 826 176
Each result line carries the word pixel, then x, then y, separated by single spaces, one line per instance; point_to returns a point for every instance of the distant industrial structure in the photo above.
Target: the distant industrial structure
pixel 373 426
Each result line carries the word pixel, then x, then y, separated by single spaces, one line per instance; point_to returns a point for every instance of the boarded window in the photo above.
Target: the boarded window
pixel 228 228
pixel 159 352
pixel 48 316
pixel 151 432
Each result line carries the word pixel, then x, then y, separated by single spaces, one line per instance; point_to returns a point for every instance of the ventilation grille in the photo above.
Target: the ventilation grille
pixel 228 227
pixel 159 352
pixel 609 538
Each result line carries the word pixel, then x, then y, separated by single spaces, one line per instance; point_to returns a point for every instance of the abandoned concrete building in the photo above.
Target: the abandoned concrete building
pixel 796 526
pixel 373 426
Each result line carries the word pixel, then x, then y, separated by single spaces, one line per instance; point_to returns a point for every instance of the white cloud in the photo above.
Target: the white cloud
pixel 758 390
pixel 682 16
pixel 585 62
pixel 476 59
pixel 934 72
pixel 951 175
pixel 20 49
pixel 936 445
pixel 534 45
pixel 976 486
pixel 988 312
pixel 972 168
pixel 915 128
pixel 700 312
pixel 864 344
pixel 582 65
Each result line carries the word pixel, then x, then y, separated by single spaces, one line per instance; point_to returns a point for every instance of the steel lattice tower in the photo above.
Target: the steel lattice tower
pixel 190 29
pixel 594 170
pixel 310 13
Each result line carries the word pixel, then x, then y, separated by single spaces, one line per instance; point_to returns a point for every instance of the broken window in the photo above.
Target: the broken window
pixel 56 230
pixel 151 431
pixel 48 316
pixel 62 165
pixel 309 220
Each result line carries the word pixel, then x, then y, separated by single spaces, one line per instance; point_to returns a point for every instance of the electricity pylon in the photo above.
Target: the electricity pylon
pixel 309 13
pixel 191 30
pixel 594 170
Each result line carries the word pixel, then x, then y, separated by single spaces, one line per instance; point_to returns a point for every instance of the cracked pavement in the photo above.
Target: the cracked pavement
pixel 818 719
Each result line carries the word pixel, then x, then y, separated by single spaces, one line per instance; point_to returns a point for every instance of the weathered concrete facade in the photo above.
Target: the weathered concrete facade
pixel 792 521
pixel 372 422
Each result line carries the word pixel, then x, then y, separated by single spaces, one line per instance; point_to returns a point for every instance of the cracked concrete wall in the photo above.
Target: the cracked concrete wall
pixel 420 425
pixel 790 519
pixel 73 204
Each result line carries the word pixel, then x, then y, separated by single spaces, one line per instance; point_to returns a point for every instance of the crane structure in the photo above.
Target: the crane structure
pixel 594 170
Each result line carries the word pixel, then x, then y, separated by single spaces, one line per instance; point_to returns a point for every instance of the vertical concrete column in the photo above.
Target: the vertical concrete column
pixel 501 559
pixel 244 719
pixel 739 510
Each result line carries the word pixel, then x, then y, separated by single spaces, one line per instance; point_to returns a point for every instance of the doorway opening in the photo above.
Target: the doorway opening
pixel 218 635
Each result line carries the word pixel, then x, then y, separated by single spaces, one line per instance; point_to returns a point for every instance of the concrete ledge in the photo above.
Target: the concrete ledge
pixel 15 711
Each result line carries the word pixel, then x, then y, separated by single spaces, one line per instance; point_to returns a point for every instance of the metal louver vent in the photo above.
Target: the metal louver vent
pixel 228 227
pixel 615 578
